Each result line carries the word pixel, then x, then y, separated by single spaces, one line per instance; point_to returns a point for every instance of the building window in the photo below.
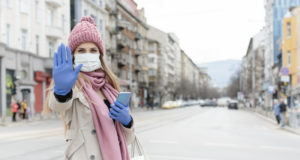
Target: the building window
pixel 288 29
pixel 8 3
pixel 23 38
pixel 63 23
pixel 85 12
pixel 36 10
pixel 151 60
pixel 100 24
pixel 51 49
pixel 143 61
pixel 95 19
pixel 37 39
pixel 50 16
pixel 100 3
pixel 23 5
pixel 289 58
pixel 170 67
pixel 7 34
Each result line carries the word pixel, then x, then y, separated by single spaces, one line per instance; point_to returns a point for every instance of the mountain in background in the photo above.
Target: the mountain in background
pixel 221 71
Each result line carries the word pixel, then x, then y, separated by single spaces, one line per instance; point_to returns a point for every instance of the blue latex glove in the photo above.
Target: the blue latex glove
pixel 63 75
pixel 120 113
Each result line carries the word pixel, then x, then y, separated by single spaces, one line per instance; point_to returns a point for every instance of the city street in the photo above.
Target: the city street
pixel 190 133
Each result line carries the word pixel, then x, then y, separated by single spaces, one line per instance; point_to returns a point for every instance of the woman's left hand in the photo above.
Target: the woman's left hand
pixel 120 113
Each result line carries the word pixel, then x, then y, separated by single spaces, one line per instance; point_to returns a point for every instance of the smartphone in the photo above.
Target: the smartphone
pixel 124 98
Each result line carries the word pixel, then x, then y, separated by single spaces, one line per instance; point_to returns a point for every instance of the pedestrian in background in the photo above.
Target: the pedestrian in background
pixel 28 113
pixel 19 109
pixel 277 110
pixel 282 107
pixel 14 109
pixel 23 108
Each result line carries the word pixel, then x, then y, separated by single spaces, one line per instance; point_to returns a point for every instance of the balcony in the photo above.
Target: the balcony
pixel 137 36
pixel 54 3
pixel 152 74
pixel 112 51
pixel 142 84
pixel 137 68
pixel 122 61
pixel 121 24
pixel 113 13
pixel 137 52
pixel 54 32
pixel 113 30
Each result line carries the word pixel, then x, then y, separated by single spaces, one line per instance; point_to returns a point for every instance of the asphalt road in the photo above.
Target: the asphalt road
pixel 190 133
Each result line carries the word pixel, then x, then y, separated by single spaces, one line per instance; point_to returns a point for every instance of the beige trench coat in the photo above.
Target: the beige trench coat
pixel 81 137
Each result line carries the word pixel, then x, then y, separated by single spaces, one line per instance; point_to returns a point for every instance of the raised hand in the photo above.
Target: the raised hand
pixel 63 75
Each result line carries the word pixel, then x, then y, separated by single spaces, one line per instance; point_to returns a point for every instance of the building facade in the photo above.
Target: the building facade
pixel 28 42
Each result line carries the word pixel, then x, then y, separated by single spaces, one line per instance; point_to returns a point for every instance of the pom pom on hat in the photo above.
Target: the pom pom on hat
pixel 88 19
pixel 85 31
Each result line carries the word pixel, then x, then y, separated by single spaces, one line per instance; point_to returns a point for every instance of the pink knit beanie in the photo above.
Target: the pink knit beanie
pixel 85 31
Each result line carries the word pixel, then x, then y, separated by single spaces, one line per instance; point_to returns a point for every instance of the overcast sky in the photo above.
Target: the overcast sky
pixel 209 30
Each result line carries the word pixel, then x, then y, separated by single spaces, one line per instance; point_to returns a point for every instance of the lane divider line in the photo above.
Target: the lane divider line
pixel 220 144
pixel 157 141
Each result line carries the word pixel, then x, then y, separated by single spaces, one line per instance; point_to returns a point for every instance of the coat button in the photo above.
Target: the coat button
pixel 92 157
pixel 93 131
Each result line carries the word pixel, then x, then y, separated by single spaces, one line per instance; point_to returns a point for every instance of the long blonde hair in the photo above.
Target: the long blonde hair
pixel 111 78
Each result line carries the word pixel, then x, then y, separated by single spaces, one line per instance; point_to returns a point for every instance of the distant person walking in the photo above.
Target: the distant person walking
pixel 23 109
pixel 19 108
pixel 282 107
pixel 277 110
pixel 14 109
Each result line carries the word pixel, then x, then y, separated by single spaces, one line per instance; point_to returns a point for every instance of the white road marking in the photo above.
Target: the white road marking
pixel 219 144
pixel 271 147
pixel 171 142
pixel 181 158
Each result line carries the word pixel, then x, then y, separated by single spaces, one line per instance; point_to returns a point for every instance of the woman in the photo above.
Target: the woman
pixel 97 127
pixel 23 108
pixel 14 109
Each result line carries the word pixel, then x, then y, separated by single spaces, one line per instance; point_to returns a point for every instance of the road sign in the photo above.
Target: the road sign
pixel 285 78
pixel 284 71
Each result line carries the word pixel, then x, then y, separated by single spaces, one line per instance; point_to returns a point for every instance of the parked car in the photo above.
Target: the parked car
pixel 168 105
pixel 180 103
pixel 233 104
pixel 200 101
pixel 209 103
pixel 175 105
pixel 223 102
pixel 185 103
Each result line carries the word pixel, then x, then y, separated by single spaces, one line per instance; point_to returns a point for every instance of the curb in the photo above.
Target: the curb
pixel 26 122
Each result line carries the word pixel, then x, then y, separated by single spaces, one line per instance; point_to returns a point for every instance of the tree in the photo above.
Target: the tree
pixel 234 86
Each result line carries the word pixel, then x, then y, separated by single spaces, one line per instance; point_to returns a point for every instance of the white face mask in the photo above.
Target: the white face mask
pixel 90 61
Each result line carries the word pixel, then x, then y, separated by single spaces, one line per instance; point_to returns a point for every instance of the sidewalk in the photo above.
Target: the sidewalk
pixel 38 117
pixel 267 117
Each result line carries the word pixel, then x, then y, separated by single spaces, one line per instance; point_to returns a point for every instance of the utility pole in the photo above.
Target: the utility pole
pixel 253 77
pixel 130 76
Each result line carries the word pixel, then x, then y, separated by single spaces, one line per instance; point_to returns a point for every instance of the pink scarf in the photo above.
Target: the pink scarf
pixel 112 140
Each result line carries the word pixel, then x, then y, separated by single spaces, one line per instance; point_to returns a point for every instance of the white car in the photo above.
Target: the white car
pixel 180 103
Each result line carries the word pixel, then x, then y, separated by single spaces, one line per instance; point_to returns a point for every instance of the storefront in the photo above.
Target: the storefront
pixel 23 71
